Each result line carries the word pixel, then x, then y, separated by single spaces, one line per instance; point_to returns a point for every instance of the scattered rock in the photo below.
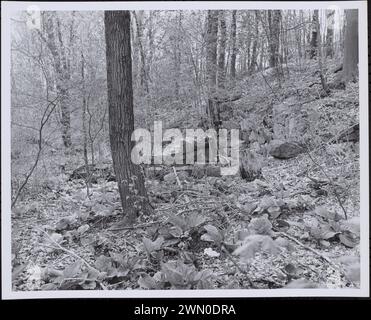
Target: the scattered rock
pixel 82 229
pixel 213 171
pixel 286 150
pixel 250 166
pixel 63 224
pixel 58 238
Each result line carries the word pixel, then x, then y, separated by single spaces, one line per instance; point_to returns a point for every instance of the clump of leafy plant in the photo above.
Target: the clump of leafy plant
pixel 328 226
pixel 80 276
pixel 184 233
pixel 177 275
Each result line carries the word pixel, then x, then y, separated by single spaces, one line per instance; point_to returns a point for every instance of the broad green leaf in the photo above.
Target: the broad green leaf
pixel 72 270
pixel 176 232
pixel 274 211
pixel 147 282
pixel 175 274
pixel 152 246
pixel 254 244
pixel 260 225
pixel 195 220
pixel 179 222
pixel 104 264
pixel 212 235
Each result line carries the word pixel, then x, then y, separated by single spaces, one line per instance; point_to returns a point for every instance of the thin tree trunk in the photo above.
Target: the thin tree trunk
pixel 85 134
pixel 222 47
pixel 211 65
pixel 252 66
pixel 177 56
pixel 143 68
pixel 234 48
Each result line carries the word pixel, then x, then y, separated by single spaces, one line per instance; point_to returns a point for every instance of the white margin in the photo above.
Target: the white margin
pixel 9 7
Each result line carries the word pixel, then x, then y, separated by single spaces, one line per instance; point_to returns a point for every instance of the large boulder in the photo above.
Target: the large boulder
pixel 285 150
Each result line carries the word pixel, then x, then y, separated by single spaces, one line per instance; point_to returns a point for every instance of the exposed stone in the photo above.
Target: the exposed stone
pixel 250 166
pixel 63 224
pixel 285 150
pixel 213 171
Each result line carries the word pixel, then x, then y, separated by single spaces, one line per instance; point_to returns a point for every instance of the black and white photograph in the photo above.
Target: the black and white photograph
pixel 184 149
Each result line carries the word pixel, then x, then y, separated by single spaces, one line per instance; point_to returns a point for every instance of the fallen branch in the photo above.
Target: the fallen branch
pixel 139 226
pixel 335 266
pixel 58 246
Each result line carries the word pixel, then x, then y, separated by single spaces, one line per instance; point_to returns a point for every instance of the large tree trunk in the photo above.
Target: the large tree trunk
pixel 313 41
pixel 234 49
pixel 211 65
pixel 350 64
pixel 129 177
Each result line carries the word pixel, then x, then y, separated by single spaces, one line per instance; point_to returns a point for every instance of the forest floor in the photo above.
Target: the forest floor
pixel 286 229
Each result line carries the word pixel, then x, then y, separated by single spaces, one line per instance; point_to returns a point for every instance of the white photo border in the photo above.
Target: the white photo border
pixel 9 7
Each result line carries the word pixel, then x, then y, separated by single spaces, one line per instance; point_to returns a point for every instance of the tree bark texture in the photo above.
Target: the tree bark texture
pixel 121 117
pixel 351 45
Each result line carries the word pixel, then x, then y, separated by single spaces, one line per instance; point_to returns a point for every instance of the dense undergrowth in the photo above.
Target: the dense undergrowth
pixel 285 229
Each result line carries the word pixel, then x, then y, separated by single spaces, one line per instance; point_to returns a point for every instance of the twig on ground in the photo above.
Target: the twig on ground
pixel 58 246
pixel 317 253
pixel 139 226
